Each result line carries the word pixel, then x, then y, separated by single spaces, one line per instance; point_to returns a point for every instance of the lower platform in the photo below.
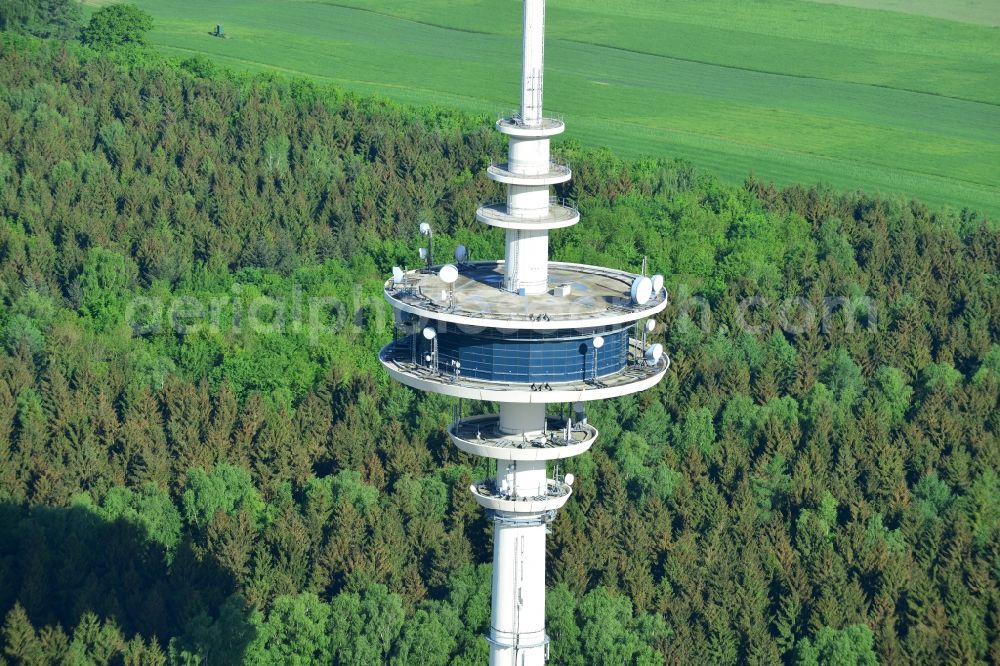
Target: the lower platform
pixel 560 214
pixel 556 494
pixel 481 436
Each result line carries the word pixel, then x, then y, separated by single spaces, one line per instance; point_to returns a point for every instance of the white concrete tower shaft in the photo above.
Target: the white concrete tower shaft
pixel 517 632
pixel 527 251
pixel 517 636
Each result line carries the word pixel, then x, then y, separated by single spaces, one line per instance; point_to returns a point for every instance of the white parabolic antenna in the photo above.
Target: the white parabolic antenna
pixel 423 253
pixel 642 290
pixel 650 325
pixel 425 228
pixel 598 342
pixel 654 353
pixel 569 479
pixel 657 283
pixel 448 273
pixel 461 253
pixel 430 333
pixel 397 274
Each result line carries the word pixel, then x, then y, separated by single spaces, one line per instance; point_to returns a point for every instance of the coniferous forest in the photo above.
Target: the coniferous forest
pixel 201 461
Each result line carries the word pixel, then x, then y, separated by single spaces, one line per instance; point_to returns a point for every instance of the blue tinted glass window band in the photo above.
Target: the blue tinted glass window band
pixel 526 356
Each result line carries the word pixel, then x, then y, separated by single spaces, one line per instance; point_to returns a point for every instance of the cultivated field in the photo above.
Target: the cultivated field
pixel 884 95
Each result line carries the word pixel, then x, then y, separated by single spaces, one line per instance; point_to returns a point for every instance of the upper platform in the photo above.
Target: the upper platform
pixel 558 172
pixel 545 127
pixel 561 213
pixel 580 296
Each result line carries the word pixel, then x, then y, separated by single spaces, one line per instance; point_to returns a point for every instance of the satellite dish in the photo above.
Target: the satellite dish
pixel 448 273
pixel 397 274
pixel 461 253
pixel 598 342
pixel 657 283
pixel 569 479
pixel 425 228
pixel 642 290
pixel 650 325
pixel 423 253
pixel 430 333
pixel 653 354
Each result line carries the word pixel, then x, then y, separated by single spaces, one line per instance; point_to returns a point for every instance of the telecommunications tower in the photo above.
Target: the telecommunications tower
pixel 525 333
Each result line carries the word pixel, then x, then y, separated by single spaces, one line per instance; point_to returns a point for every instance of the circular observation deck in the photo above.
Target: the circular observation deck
pixel 561 213
pixel 488 497
pixel 558 172
pixel 544 127
pixel 481 436
pixel 580 297
pixel 436 376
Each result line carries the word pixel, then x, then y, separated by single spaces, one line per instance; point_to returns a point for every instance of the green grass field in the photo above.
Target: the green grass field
pixel 883 95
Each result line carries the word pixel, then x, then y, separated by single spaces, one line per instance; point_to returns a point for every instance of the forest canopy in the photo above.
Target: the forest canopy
pixel 816 481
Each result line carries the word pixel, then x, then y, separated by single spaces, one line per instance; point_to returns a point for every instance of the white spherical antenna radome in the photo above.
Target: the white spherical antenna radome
pixel 650 325
pixel 569 479
pixel 654 353
pixel 461 253
pixel 598 342
pixel 448 273
pixel 425 228
pixel 642 290
pixel 430 333
pixel 657 283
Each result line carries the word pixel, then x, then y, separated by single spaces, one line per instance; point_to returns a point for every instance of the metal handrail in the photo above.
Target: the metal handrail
pixel 515 117
pixel 488 431
pixel 563 202
pixel 554 200
pixel 553 489
pixel 625 306
pixel 405 365
pixel 554 161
